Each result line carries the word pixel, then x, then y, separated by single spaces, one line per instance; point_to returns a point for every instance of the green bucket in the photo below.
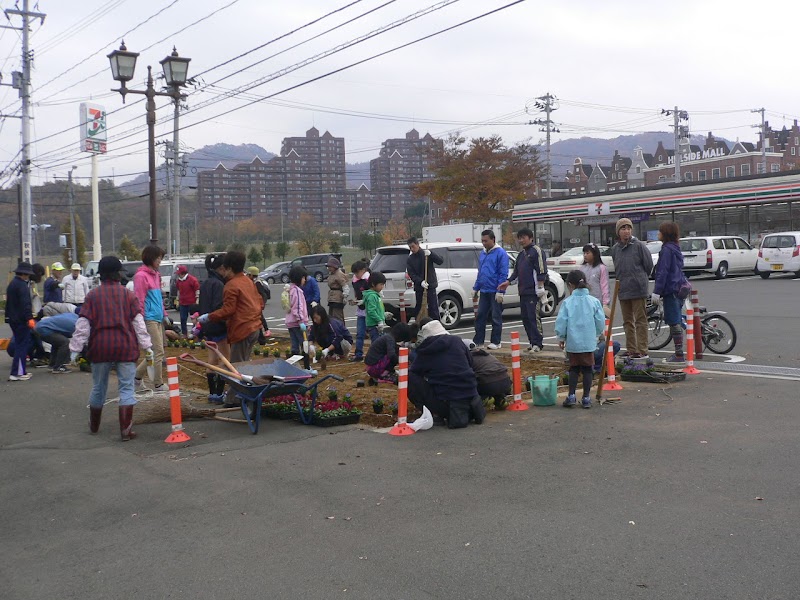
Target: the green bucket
pixel 544 390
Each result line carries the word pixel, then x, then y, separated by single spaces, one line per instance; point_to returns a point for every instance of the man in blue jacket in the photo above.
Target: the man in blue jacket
pixel 18 314
pixel 311 293
pixel 489 290
pixel 57 331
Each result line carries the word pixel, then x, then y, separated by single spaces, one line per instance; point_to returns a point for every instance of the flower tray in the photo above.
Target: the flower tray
pixel 654 376
pixel 280 415
pixel 336 421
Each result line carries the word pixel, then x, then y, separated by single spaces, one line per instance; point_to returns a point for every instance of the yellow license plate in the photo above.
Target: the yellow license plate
pixel 777 267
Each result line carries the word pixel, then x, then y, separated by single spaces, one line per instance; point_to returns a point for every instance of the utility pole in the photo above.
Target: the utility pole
pixel 72 217
pixel 547 104
pixel 763 138
pixel 679 132
pixel 176 179
pixel 25 95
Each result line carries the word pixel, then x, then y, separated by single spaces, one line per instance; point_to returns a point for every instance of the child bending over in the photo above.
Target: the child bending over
pixel 330 335
pixel 381 358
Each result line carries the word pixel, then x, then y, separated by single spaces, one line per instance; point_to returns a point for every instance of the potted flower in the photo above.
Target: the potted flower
pixel 377 405
pixel 257 350
pixel 333 394
pixel 287 353
pixel 276 353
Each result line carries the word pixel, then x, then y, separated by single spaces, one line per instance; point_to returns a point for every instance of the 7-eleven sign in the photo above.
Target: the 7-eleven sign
pixel 93 128
pixel 599 208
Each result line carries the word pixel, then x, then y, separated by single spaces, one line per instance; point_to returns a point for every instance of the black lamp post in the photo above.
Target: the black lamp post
pixel 123 66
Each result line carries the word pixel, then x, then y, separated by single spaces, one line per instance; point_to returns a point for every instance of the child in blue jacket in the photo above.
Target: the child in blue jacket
pixel 580 320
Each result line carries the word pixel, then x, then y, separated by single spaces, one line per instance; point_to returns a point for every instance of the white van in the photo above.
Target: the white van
pixel 779 253
pixel 717 254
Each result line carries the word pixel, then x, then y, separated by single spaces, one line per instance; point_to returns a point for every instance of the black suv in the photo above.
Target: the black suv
pixel 316 264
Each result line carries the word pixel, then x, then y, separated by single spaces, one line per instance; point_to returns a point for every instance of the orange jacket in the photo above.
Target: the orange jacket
pixel 241 308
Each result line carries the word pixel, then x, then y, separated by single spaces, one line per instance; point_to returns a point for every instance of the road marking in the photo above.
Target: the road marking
pixel 784 378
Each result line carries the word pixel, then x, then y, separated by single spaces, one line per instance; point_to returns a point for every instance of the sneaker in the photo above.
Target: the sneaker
pixel 138 386
pixel 60 370
pixel 586 402
pixel 19 377
pixel 38 363
pixel 216 398
pixel 357 358
pixel 675 359
pixel 161 389
pixel 570 401
pixel 535 349
pixel 494 346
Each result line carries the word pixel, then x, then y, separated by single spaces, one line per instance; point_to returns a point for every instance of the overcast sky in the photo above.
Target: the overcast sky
pixel 612 64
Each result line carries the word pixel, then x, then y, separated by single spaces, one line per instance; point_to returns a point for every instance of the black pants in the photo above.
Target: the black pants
pixel 59 353
pixel 458 414
pixel 433 302
pixel 495 389
pixel 531 319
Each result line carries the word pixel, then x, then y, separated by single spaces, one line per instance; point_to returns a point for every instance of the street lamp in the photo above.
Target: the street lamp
pixel 123 66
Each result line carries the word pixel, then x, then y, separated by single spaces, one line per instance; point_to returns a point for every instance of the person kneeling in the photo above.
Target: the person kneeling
pixel 443 378
pixel 330 335
pixel 491 374
pixel 381 358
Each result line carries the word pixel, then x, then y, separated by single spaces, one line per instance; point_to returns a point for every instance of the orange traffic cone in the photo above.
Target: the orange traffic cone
pixel 402 427
pixel 611 370
pixel 516 375
pixel 178 435
pixel 690 368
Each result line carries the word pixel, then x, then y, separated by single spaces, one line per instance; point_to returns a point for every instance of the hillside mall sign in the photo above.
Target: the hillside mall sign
pixel 690 156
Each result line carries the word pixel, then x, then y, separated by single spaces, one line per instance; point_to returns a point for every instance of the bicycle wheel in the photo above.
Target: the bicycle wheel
pixel 719 335
pixel 658 333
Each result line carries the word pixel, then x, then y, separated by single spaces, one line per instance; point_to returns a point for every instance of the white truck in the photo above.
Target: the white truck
pixel 461 232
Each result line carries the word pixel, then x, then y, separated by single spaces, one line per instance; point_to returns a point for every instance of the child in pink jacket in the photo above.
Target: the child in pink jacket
pixel 297 316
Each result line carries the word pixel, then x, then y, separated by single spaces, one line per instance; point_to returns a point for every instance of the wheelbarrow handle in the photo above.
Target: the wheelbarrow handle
pixel 225 361
pixel 186 357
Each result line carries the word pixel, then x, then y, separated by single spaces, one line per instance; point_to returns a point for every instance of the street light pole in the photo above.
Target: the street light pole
pixel 150 94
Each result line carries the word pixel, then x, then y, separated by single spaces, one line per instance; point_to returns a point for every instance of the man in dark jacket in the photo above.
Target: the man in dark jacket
pixel 633 264
pixel 531 271
pixel 18 313
pixel 491 374
pixel 442 378
pixel 415 266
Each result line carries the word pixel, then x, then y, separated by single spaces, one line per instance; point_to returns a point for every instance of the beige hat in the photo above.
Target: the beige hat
pixel 623 221
pixel 252 271
pixel 75 267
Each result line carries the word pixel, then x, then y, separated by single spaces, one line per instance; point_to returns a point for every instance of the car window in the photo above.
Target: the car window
pixel 465 258
pixel 165 270
pixel 718 245
pixel 787 241
pixel 693 245
pixel 390 260
pixel 742 245
pixel 729 244
pixel 771 241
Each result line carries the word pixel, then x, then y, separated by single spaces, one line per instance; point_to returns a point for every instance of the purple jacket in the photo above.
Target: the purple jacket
pixel 669 270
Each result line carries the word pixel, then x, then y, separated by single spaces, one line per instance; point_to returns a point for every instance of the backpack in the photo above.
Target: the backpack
pixel 286 302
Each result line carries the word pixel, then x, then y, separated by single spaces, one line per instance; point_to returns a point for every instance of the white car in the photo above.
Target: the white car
pixel 456 276
pixel 572 259
pixel 605 256
pixel 717 254
pixel 779 253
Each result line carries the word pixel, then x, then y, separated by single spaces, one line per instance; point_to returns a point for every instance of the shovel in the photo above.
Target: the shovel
pixel 186 357
pixel 215 349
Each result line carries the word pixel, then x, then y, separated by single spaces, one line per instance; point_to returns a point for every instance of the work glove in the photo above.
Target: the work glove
pixel 474 295
pixel 325 352
pixel 425 285
pixel 387 315
pixel 203 319
pixel 150 355
pixel 541 292
pixel 73 357
pixel 312 349
pixel 655 298
pixel 427 252
pixel 313 304
pixel 346 291
pixel 360 303
pixel 303 327
pixel 498 297
pixel 380 326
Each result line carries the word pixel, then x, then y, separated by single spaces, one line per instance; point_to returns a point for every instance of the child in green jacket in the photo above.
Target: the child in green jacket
pixel 376 315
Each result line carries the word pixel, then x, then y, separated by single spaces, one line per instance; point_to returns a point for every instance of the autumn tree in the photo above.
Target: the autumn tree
pixel 396 232
pixel 335 244
pixel 481 180
pixel 127 249
pixel 311 237
pixel 415 217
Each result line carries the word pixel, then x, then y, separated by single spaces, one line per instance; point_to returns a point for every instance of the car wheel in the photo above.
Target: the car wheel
pixel 548 303
pixel 449 311
pixel 284 278
pixel 318 276
pixel 270 280
pixel 764 274
pixel 722 270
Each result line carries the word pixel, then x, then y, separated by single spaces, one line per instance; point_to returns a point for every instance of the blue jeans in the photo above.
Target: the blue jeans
pixel 361 334
pixel 487 305
pixel 125 374
pixel 531 321
pixel 672 309
pixel 184 310
pixel 296 337
pixel 373 332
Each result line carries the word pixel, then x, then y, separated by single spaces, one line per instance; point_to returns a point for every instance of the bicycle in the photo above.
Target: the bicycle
pixel 716 330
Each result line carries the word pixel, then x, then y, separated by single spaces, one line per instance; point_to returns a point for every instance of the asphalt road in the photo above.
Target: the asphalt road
pixel 764 312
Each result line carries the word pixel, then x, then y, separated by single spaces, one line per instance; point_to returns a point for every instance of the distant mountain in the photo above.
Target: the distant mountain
pixel 592 150
pixel 356 174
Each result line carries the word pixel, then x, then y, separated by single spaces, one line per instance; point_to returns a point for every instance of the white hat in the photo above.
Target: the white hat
pixel 433 328
pixel 75 267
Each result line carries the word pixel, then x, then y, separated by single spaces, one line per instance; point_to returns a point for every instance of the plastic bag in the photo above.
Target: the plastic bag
pixel 424 422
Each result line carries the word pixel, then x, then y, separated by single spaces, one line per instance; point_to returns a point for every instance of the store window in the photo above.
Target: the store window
pixel 573 235
pixel 729 221
pixel 768 218
pixel 730 171
pixel 715 173
pixel 745 169
pixel 546 234
pixel 693 222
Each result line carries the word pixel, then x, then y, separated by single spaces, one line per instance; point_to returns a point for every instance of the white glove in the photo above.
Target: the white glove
pixel 202 319
pixel 346 291
pixel 313 304
pixel 655 298
pixel 381 326
pixel 425 285
pixel 312 349
pixel 387 315
pixel 325 353
pixel 360 303
pixel 150 355
pixel 73 357
pixel 541 292
pixel 498 297
pixel 427 252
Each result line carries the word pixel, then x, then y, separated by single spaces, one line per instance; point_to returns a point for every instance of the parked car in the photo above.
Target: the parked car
pixel 605 256
pixel 571 259
pixel 717 254
pixel 316 264
pixel 276 272
pixel 456 277
pixel 779 253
